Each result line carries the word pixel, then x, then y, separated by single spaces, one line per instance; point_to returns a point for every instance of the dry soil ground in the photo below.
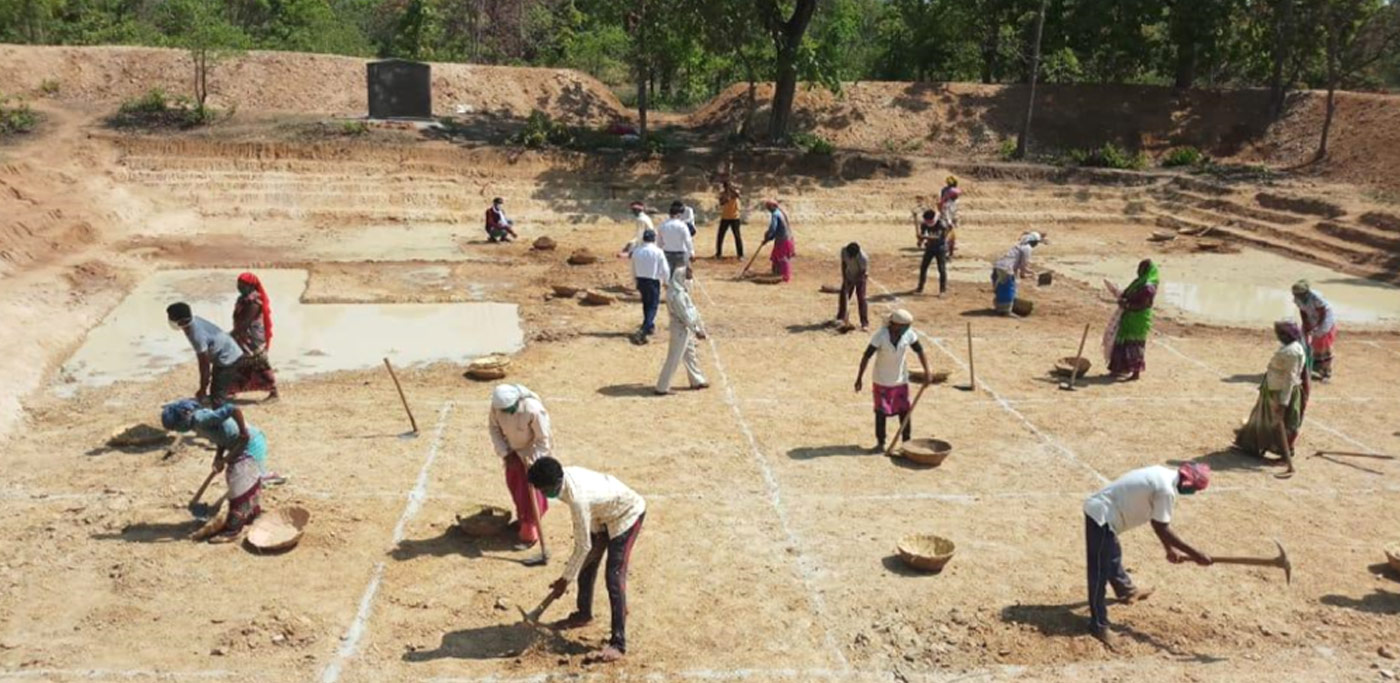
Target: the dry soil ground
pixel 767 553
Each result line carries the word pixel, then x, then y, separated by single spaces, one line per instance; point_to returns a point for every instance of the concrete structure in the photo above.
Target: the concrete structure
pixel 399 88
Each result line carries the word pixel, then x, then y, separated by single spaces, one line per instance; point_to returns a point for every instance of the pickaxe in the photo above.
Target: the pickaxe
pixel 533 616
pixel 1282 561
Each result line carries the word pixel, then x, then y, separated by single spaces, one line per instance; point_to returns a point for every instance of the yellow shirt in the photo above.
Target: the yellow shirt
pixel 729 209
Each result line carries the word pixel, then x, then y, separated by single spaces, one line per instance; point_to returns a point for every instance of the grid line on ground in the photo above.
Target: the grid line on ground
pixel 775 497
pixel 350 642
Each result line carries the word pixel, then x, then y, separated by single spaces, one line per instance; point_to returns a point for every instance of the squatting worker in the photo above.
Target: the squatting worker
pixel 218 353
pixel 642 222
pixel 889 347
pixel 240 453
pixel 932 232
pixel 607 519
pixel 855 272
pixel 676 241
pixel 498 227
pixel 729 213
pixel 520 432
pixel 1142 495
pixel 650 269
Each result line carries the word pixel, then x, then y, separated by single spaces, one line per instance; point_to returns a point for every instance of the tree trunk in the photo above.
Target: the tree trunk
pixel 1186 64
pixel 1333 48
pixel 642 83
pixel 784 93
pixel 752 104
pixel 1283 20
pixel 991 46
pixel 1023 140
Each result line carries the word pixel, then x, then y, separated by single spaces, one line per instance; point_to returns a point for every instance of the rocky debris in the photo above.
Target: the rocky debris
pixel 545 243
pixel 1387 652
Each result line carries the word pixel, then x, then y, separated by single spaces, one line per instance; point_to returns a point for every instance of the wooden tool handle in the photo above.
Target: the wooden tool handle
pixel 412 422
pixel 1253 561
pixel 1078 356
pixel 753 258
pixel 905 419
pixel 202 487
pixel 971 365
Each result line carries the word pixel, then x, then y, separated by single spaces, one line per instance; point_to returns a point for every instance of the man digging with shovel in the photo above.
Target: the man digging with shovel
pixel 607 519
pixel 521 435
pixel 1142 495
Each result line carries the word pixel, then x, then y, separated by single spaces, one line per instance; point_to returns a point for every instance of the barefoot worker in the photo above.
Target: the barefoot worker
pixel 498 227
pixel 1319 327
pixel 217 352
pixel 240 452
pixel 252 330
pixel 1131 324
pixel 855 273
pixel 651 271
pixel 607 519
pixel 520 432
pixel 780 234
pixel 686 327
pixel 889 347
pixel 1015 263
pixel 1142 495
pixel 1278 413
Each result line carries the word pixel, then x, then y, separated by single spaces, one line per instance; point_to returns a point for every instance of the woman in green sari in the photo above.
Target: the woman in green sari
pixel 1132 324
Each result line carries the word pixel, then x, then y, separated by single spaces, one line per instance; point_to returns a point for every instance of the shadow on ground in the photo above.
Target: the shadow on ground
pixel 453 542
pixel 152 532
pixel 500 641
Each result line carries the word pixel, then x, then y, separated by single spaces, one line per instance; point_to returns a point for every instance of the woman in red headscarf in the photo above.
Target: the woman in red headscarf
pixel 252 329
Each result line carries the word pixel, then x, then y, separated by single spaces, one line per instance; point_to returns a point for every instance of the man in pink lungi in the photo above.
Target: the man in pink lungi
pixel 520 431
pixel 889 347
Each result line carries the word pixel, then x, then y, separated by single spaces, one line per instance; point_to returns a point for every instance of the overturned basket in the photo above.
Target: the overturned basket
pixel 1392 555
pixel 565 291
pixel 484 520
pixel 1064 367
pixel 582 257
pixel 488 368
pixel 1022 307
pixel 830 289
pixel 935 377
pixel 593 298
pixel 280 529
pixel 545 243
pixel 926 552
pixel 767 279
pixel 931 452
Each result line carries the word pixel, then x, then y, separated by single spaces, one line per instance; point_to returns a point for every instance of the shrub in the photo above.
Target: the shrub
pixel 156 109
pixel 354 128
pixel 1007 151
pixel 16 117
pixel 812 143
pixel 1184 156
pixel 1109 156
pixel 49 86
pixel 542 131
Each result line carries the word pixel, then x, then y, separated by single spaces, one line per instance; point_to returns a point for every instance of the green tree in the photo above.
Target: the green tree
pixel 786 28
pixel 1359 33
pixel 201 28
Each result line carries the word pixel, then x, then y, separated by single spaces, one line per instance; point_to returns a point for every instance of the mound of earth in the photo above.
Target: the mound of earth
pixel 954 120
pixel 300 83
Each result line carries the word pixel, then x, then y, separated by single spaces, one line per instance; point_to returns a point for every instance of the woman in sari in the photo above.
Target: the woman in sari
pixel 780 234
pixel 1127 357
pixel 240 451
pixel 1319 327
pixel 252 329
pixel 1274 423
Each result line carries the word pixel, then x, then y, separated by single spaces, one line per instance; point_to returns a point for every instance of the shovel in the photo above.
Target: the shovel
pixel 903 420
pixel 203 510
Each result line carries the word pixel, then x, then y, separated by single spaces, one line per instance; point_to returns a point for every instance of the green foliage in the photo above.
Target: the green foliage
pixel 49 86
pixel 1109 156
pixel 155 109
pixel 541 131
pixel 16 117
pixel 812 143
pixel 353 128
pixel 1007 149
pixel 1184 156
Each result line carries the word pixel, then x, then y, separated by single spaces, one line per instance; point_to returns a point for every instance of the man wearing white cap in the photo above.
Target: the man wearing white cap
pixel 889 347
pixel 520 432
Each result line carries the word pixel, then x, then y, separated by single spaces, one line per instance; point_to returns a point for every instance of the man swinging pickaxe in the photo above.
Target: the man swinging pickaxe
pixel 1282 561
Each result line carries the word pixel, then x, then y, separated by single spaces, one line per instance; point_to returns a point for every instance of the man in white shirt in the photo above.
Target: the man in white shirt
pixel 889 347
pixel 650 269
pixel 675 239
pixel 1134 499
pixel 607 518
pixel 520 433
pixel 642 222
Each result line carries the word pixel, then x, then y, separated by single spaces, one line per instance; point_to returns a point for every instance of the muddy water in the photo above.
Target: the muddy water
pixel 1248 288
pixel 134 341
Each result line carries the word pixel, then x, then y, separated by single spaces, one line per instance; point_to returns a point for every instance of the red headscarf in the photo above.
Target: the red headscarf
pixel 253 281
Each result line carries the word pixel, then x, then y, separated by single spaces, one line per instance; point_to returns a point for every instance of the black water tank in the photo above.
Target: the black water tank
pixel 399 88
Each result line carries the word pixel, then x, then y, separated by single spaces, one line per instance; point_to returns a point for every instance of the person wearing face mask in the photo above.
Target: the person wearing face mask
pixel 252 330
pixel 521 435
pixel 217 352
pixel 1134 499
pixel 607 518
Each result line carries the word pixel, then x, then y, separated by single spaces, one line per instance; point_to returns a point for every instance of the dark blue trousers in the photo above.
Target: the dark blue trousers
pixel 651 300
pixel 1105 561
